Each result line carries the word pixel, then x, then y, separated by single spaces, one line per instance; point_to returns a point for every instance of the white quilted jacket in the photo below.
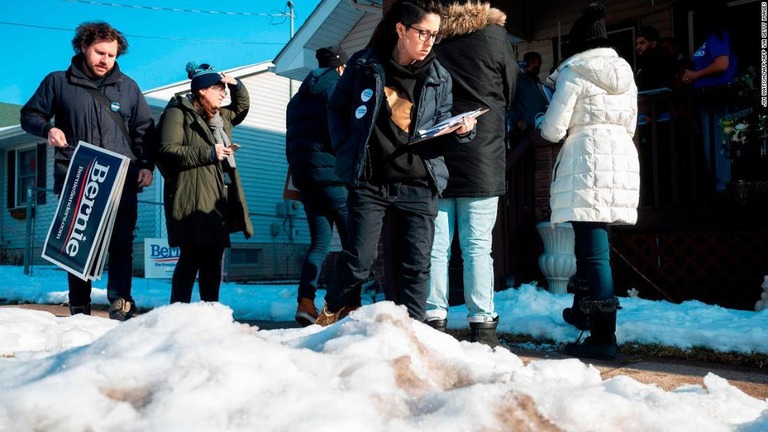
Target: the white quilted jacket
pixel 597 173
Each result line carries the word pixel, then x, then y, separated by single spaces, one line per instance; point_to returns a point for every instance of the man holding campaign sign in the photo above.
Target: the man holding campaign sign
pixel 94 102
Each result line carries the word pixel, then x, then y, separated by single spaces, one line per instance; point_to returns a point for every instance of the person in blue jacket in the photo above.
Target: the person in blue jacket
pixel 389 91
pixel 715 63
pixel 312 163
pixel 69 98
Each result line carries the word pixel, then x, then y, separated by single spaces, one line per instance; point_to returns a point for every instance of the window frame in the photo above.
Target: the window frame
pixel 16 199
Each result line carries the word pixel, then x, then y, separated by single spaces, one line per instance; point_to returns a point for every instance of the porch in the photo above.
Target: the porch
pixel 691 240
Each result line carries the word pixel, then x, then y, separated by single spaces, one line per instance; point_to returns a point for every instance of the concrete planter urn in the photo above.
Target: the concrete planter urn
pixel 558 262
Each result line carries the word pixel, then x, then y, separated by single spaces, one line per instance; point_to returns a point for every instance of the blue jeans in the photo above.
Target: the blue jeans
pixel 474 218
pixel 325 207
pixel 593 258
pixel 722 174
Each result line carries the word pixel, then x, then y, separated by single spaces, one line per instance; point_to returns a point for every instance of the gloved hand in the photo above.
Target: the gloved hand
pixel 539 120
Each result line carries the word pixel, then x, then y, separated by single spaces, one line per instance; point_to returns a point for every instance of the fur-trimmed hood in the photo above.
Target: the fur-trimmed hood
pixel 460 19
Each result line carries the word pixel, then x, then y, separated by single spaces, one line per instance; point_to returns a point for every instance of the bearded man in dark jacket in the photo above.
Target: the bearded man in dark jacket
pixel 67 98
pixel 312 163
pixel 476 52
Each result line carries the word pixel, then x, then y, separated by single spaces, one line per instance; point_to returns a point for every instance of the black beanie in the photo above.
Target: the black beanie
pixel 332 56
pixel 589 29
pixel 202 76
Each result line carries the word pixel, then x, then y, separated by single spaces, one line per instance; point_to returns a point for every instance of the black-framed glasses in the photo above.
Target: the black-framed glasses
pixel 425 35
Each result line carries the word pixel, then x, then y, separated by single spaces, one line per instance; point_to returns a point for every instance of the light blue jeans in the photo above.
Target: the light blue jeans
pixel 474 218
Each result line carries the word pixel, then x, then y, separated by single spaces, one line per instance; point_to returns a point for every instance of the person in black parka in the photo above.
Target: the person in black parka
pixel 74 105
pixel 484 70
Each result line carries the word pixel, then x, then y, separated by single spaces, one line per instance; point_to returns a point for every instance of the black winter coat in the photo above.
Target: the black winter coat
pixel 307 140
pixel 355 105
pixel 63 96
pixel 484 69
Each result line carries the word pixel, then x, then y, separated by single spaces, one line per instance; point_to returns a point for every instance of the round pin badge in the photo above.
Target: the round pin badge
pixel 360 111
pixel 366 95
pixel 114 106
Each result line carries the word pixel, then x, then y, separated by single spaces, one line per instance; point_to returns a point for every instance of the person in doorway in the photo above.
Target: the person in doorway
pixel 79 100
pixel 655 67
pixel 312 163
pixel 203 197
pixel 596 180
pixel 530 97
pixel 391 90
pixel 715 63
pixel 476 52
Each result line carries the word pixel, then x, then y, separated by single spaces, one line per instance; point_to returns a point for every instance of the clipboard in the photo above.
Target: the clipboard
pixel 446 126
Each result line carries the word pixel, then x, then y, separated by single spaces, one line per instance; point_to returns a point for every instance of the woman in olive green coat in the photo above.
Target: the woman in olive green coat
pixel 203 196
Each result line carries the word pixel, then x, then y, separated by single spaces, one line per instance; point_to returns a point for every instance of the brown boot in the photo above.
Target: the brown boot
pixel 306 313
pixel 327 317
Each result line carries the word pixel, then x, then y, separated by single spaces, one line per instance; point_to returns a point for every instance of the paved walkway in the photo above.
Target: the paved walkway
pixel 667 374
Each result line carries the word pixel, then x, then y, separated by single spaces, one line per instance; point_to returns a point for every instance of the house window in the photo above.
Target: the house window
pixel 26 168
pixel 26 174
pixel 244 256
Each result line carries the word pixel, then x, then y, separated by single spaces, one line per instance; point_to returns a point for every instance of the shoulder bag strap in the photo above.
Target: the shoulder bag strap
pixel 99 96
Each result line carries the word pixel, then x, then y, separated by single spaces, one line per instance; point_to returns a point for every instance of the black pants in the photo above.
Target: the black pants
pixel 413 207
pixel 193 259
pixel 120 258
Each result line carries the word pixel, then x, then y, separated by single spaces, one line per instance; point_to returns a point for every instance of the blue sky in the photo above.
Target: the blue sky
pixel 37 36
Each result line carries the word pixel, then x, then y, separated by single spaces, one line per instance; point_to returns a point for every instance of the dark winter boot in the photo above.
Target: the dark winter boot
pixel 85 309
pixel 484 332
pixel 121 310
pixel 601 344
pixel 438 324
pixel 574 315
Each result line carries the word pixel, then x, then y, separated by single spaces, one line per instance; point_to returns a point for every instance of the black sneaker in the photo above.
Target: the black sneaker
pixel 121 310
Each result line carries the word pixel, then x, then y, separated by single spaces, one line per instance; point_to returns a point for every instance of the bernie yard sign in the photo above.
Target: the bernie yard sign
pixel 79 235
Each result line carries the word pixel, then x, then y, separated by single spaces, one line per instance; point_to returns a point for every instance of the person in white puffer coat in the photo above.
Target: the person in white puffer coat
pixel 596 179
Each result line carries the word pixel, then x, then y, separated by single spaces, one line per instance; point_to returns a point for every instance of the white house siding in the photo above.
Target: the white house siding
pixel 263 165
pixel 13 234
pixel 360 34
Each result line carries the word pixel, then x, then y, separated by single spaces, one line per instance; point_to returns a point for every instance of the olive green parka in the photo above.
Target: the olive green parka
pixel 199 209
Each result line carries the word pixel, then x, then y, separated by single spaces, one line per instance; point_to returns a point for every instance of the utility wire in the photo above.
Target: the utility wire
pixel 179 39
pixel 639 273
pixel 156 8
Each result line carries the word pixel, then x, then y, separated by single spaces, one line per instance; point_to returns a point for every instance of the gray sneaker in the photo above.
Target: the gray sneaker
pixel 121 310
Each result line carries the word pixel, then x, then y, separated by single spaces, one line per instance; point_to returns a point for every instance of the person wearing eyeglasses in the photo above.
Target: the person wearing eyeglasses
pixel 203 197
pixel 389 91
